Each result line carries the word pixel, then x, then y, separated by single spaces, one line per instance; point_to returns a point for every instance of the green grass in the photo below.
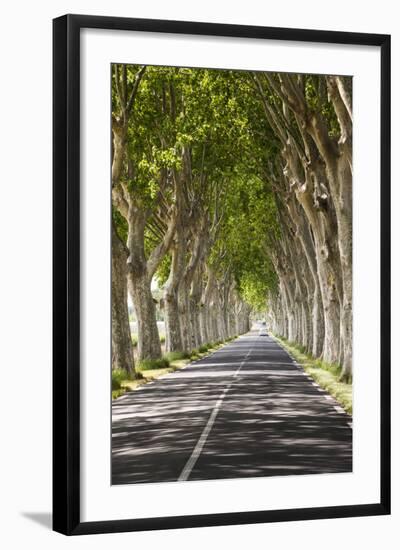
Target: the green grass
pixel 179 363
pixel 148 369
pixel 203 348
pixel 118 393
pixel 120 379
pixel 327 375
pixel 176 355
pixel 150 364
pixel 117 377
pixel 134 338
pixel 121 383
pixel 194 354
pixel 152 374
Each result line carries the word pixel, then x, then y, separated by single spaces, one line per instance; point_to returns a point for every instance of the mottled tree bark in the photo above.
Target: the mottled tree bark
pixel 195 305
pixel 172 315
pixel 149 346
pixel 122 354
pixel 139 284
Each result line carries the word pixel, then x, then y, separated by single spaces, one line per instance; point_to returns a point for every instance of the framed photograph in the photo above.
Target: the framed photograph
pixel 221 274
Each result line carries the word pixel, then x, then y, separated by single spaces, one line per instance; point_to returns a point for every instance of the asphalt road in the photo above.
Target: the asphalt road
pixel 247 410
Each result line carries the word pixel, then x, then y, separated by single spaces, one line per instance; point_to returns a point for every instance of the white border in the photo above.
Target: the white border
pixel 100 501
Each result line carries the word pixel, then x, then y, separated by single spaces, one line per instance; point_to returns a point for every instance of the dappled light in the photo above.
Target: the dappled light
pixel 231 273
pixel 272 421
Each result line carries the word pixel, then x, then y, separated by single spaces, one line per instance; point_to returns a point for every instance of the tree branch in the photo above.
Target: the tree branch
pixel 135 87
pixel 159 252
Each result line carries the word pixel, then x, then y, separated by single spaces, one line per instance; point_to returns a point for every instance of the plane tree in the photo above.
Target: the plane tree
pixel 235 192
pixel 311 118
pixel 143 185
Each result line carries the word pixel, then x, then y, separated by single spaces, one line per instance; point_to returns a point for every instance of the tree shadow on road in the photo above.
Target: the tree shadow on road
pixel 273 421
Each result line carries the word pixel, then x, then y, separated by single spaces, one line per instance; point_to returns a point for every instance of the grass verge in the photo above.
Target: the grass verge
pixel 325 374
pixel 151 364
pixel 176 355
pixel 148 370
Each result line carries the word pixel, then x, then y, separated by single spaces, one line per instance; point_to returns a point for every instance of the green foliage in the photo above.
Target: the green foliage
pixel 176 356
pixel 115 384
pixel 327 375
pixel 163 270
pixel 118 376
pixel 317 99
pixel 203 348
pixel 117 392
pixel 120 224
pixel 250 223
pixel 217 118
pixel 149 364
pixel 255 289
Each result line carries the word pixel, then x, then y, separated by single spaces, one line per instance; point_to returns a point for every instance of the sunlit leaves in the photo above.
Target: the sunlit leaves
pixel 120 224
pixel 250 213
pixel 216 116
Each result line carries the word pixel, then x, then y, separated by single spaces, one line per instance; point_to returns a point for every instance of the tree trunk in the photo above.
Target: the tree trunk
pixel 149 346
pixel 205 338
pixel 195 305
pixel 318 328
pixel 173 338
pixel 184 314
pixel 195 322
pixel 139 286
pixel 172 316
pixel 329 275
pixel 343 203
pixel 122 354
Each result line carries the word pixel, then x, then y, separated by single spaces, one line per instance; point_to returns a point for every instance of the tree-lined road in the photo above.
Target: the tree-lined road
pixel 246 410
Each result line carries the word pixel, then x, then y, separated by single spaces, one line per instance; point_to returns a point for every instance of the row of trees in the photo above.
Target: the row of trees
pixel 170 186
pixel 311 117
pixel 233 191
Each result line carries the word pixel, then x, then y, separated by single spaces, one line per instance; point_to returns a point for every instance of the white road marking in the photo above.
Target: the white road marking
pixel 242 363
pixel 207 429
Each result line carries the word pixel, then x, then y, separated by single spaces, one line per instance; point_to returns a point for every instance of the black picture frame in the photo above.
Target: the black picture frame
pixel 66 273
